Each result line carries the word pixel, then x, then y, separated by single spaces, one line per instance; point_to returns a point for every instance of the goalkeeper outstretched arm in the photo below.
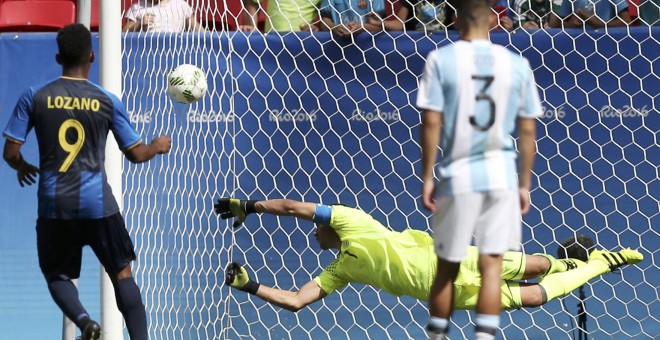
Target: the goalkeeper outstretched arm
pixel 236 276
pixel 232 207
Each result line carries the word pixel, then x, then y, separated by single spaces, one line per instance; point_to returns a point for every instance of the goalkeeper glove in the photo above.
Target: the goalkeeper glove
pixel 232 207
pixel 237 277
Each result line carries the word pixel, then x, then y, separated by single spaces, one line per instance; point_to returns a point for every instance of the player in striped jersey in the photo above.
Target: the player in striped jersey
pixel 71 118
pixel 473 94
pixel 405 263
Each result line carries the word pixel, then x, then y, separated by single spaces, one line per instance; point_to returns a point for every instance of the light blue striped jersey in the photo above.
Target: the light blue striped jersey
pixel 481 89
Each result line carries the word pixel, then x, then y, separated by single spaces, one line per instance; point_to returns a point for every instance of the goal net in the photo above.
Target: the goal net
pixel 321 119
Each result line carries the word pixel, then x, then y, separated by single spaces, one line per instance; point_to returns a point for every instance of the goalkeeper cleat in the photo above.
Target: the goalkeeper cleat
pixel 91 331
pixel 617 259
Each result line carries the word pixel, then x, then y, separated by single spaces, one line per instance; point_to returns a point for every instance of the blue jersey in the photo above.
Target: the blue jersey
pixel 71 119
pixel 481 89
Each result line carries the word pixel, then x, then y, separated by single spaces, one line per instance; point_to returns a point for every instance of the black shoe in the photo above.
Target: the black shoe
pixel 91 331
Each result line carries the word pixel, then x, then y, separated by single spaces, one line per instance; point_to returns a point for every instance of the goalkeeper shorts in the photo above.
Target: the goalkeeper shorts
pixel 468 281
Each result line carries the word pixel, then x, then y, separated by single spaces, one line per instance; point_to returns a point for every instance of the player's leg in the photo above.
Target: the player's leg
pixel 453 224
pixel 59 249
pixel 540 265
pixel 572 254
pixel 114 249
pixel 498 229
pixel 441 299
pixel 489 301
pixel 490 267
pixel 559 284
pixel 129 302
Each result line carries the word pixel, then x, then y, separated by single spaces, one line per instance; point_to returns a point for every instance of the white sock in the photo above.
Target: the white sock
pixel 484 336
pixel 487 326
pixel 437 328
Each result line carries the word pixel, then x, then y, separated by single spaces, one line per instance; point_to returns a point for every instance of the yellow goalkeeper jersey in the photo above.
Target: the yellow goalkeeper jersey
pixel 400 263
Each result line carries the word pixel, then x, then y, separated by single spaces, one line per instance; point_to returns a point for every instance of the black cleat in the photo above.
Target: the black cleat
pixel 91 331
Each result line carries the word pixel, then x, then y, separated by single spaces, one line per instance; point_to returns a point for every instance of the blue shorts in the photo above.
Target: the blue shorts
pixel 60 243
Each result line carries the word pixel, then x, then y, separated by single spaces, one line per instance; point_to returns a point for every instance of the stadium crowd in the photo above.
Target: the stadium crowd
pixel 345 17
pixel 342 17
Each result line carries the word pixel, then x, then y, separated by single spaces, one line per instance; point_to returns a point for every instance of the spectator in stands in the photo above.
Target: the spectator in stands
pixel 534 14
pixel 649 12
pixel 500 19
pixel 411 15
pixel 591 13
pixel 347 17
pixel 282 15
pixel 161 16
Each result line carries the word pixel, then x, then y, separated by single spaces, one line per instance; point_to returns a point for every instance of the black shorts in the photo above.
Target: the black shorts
pixel 60 243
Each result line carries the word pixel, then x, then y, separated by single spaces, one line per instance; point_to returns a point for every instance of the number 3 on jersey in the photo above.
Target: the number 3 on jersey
pixel 72 148
pixel 482 95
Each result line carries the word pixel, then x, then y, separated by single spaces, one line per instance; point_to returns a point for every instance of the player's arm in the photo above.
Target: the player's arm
pixel 232 207
pixel 237 277
pixel 430 137
pixel 527 149
pixel 287 207
pixel 128 138
pixel 430 100
pixel 292 301
pixel 17 128
pixel 143 152
pixel 25 171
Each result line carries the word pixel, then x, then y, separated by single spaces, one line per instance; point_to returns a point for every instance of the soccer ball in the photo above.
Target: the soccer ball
pixel 187 83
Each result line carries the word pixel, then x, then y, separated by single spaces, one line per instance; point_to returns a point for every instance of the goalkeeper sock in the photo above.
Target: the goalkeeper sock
pixel 555 266
pixel 558 266
pixel 559 284
pixel 65 295
pixel 130 304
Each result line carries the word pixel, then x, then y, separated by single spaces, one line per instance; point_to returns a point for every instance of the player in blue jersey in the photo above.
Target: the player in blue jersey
pixel 472 95
pixel 71 118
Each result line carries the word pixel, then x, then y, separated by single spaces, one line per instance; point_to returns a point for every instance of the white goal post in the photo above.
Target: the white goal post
pixel 326 119
pixel 110 61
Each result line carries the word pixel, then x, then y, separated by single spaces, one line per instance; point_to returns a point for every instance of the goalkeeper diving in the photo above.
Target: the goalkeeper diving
pixel 405 263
